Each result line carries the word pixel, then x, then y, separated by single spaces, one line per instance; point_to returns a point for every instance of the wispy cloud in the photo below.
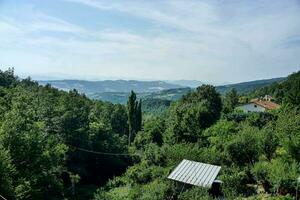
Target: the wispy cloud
pixel 205 40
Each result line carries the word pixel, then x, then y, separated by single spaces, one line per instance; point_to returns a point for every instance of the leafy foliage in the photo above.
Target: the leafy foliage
pixel 53 144
pixel 134 116
pixel 41 130
pixel 192 114
pixel 255 150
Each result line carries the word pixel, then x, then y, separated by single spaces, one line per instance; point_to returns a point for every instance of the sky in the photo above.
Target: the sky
pixel 215 40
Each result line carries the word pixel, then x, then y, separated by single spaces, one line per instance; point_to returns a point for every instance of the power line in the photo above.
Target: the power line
pixel 103 153
pixel 2 197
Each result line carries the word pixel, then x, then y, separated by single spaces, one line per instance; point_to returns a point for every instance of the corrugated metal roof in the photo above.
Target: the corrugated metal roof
pixel 195 173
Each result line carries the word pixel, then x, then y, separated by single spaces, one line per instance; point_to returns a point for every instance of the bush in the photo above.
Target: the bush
pixel 194 194
pixel 235 183
pixel 244 149
pixel 283 176
pixel 7 171
pixel 260 172
pixel 156 190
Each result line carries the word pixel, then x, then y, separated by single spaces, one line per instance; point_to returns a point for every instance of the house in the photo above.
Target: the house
pixel 259 105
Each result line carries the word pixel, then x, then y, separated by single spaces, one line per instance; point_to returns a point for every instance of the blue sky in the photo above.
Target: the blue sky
pixel 214 40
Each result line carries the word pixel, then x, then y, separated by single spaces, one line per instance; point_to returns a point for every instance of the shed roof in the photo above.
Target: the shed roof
pixel 195 173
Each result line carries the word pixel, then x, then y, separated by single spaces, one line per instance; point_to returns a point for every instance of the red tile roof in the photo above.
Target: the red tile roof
pixel 269 105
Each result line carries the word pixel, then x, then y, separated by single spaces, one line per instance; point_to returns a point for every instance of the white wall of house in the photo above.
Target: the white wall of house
pixel 251 107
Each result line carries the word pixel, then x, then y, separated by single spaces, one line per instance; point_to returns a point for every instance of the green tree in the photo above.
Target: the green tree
pixel 230 101
pixel 139 116
pixel 244 149
pixel 260 172
pixel 7 78
pixel 152 133
pixel 283 175
pixel 192 114
pixel 7 171
pixel 292 96
pixel 269 141
pixel 134 116
pixel 119 120
pixel 37 156
pixel 45 134
pixel 288 131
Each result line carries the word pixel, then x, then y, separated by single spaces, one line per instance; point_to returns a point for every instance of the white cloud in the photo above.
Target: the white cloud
pixel 205 40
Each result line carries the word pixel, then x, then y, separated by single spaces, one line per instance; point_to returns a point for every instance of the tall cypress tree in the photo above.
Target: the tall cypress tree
pixel 134 116
pixel 139 116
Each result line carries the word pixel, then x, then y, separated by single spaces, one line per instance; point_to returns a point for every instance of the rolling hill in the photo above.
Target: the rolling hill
pixel 91 87
pixel 118 91
pixel 246 87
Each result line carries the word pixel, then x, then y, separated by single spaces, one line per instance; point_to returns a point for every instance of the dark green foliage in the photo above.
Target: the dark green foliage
pixel 260 172
pixel 288 130
pixel 51 143
pixel 194 194
pixel 155 106
pixel 231 100
pixel 7 78
pixel 256 150
pixel 293 94
pixel 218 136
pixel 244 149
pixel 211 99
pixel 193 113
pixel 119 120
pixel 284 92
pixel 139 116
pixel 134 108
pixel 283 175
pixel 41 130
pixel 152 133
pixel 260 119
pixel 236 116
pixel 156 190
pixel 7 170
pixel 235 182
pixel 35 153
pixel 269 141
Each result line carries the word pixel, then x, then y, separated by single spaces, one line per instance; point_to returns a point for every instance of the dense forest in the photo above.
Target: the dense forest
pixel 43 137
pixel 63 145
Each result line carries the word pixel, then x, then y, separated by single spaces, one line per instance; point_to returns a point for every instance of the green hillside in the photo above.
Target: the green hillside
pixel 278 90
pixel 246 87
pixel 258 152
pixel 63 145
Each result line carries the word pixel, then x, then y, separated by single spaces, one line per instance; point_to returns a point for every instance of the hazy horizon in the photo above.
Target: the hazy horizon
pixel 45 79
pixel 210 41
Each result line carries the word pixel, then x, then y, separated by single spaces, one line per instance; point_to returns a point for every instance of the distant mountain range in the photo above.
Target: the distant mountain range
pixel 91 87
pixel 186 83
pixel 122 97
pixel 118 91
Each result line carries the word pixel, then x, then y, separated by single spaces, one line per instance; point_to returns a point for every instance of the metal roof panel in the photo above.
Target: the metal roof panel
pixel 195 173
